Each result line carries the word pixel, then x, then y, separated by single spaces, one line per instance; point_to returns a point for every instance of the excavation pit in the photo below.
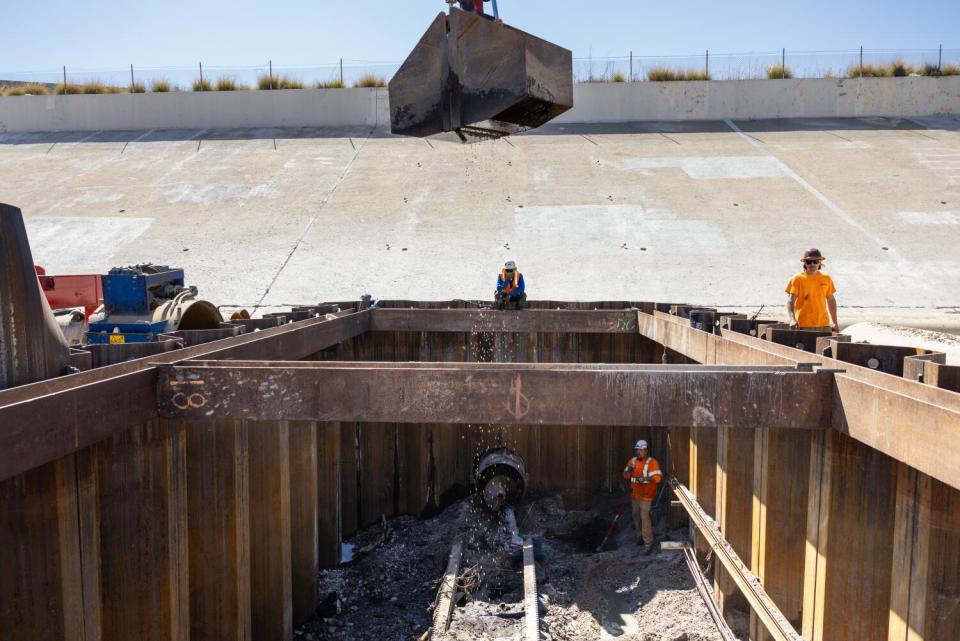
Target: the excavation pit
pixel 386 593
pixel 238 468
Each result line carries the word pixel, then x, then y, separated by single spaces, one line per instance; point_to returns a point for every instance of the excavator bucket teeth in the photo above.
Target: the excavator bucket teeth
pixel 479 79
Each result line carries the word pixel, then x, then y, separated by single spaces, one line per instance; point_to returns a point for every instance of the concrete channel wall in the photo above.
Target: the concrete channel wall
pixel 596 102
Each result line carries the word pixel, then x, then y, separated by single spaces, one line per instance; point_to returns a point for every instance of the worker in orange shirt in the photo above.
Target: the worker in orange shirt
pixel 810 296
pixel 643 473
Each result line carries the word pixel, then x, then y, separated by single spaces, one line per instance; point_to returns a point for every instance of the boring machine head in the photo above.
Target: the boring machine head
pixel 479 79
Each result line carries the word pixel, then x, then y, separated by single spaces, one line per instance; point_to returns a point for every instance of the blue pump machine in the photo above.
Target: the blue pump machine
pixel 143 301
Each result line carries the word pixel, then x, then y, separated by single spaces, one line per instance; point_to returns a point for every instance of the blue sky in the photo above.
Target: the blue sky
pixel 43 34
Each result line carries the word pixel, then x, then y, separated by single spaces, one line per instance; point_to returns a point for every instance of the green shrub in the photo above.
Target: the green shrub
pixel 370 80
pixel 336 83
pixel 160 85
pixel 778 72
pixel 661 74
pixel 201 84
pixel 28 89
pixel 138 87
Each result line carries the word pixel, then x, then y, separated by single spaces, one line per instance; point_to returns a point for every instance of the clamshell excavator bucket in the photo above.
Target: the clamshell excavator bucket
pixel 479 79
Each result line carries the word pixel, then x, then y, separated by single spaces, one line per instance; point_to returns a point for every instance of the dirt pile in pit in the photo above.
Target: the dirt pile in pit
pixel 619 593
pixel 387 594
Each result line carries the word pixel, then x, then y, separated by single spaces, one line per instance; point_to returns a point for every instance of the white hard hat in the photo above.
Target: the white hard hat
pixel 510 265
pixel 641 445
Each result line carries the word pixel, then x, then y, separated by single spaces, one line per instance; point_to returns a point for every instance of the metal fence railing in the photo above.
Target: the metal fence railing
pixel 629 67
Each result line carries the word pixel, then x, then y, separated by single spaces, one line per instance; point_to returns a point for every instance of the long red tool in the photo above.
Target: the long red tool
pixel 613 526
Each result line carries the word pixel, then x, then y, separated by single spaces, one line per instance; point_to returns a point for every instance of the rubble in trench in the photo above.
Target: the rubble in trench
pixel 387 593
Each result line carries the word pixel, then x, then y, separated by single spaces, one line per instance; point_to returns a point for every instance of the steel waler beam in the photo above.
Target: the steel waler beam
pixel 532 394
pixel 486 320
pixel 43 421
pixel 901 418
pixel 748 583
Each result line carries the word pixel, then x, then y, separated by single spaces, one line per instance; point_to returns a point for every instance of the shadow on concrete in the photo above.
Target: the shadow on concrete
pixel 720 126
pixel 554 129
pixel 185 135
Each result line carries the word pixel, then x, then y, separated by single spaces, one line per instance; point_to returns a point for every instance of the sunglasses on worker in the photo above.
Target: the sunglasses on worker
pixel 811 261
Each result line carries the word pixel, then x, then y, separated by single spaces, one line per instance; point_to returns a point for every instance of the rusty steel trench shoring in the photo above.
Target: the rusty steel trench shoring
pixel 195 493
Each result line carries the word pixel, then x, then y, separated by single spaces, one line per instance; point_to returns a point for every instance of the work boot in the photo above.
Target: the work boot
pixel 647 551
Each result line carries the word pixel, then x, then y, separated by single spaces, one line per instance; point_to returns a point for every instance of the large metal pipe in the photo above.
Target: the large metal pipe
pixel 32 347
pixel 501 478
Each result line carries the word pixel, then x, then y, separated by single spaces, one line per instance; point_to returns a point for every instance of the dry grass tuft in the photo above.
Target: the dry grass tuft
pixel 933 70
pixel 93 87
pixel 868 71
pixel 370 80
pixel 160 85
pixel 278 82
pixel 29 89
pixel 66 89
pixel 336 83
pixel 900 69
pixel 201 84
pixel 228 83
pixel 138 87
pixel 663 74
pixel 778 72
pixel 618 76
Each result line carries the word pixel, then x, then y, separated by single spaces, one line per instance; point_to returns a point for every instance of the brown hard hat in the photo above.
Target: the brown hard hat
pixel 813 252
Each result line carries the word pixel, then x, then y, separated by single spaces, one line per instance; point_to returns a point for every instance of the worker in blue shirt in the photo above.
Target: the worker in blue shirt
pixel 511 292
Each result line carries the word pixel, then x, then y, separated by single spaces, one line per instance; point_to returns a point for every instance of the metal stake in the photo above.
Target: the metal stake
pixel 631 66
pixel 131 76
pixel 783 63
pixel 707 67
pixel 271 74
pixel 940 59
pixel 201 76
pixel 64 80
pixel 341 72
pixel 861 61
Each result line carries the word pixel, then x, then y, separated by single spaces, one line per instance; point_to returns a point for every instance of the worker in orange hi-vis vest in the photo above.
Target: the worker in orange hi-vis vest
pixel 643 473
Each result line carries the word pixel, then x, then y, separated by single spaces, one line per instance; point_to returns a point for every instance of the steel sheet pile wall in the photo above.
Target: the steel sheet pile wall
pixel 390 469
pixel 215 529
pixel 851 543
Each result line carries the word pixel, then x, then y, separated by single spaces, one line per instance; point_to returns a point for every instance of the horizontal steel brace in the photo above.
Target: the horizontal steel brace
pixel 43 421
pixel 902 418
pixel 485 320
pixel 497 394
